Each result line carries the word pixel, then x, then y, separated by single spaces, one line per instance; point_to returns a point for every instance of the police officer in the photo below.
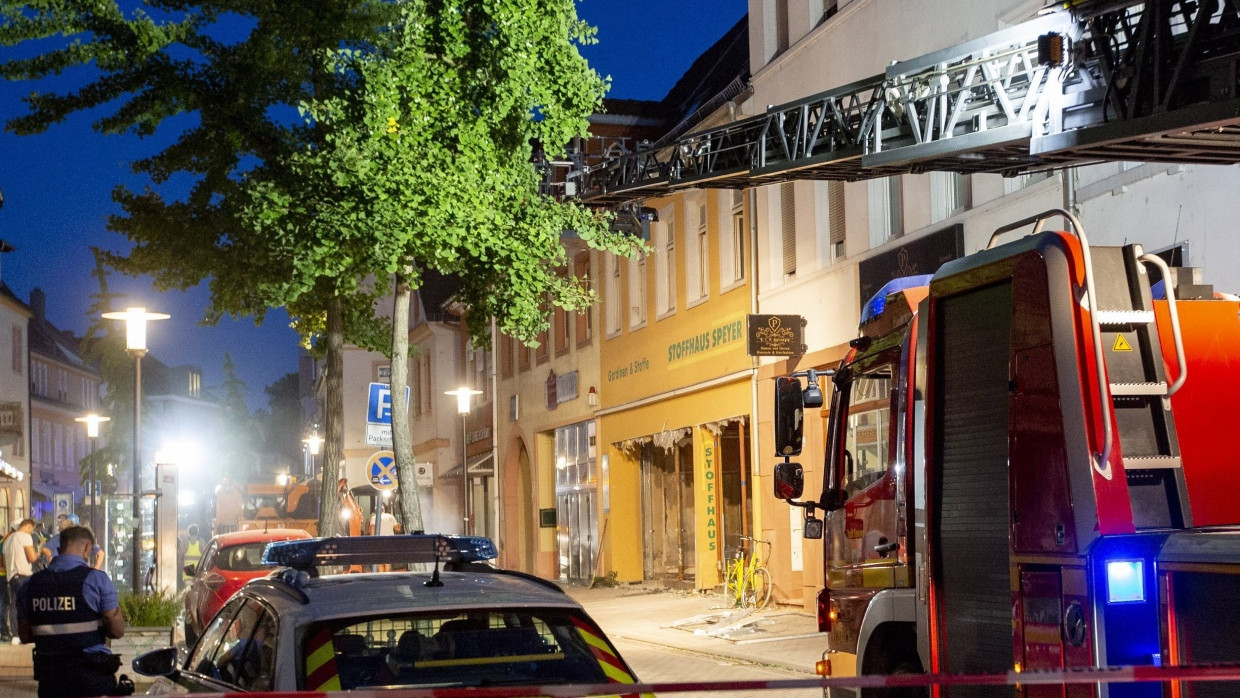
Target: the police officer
pixel 68 610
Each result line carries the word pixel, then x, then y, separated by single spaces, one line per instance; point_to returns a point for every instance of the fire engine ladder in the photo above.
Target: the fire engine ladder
pixel 1138 385
pixel 1132 377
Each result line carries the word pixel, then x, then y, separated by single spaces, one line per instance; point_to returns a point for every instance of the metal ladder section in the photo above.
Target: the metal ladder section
pixel 1138 385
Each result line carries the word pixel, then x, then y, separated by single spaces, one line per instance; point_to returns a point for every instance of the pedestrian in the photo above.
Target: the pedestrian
pixel 189 552
pixel 68 611
pixel 6 630
pixel 19 556
pixel 52 548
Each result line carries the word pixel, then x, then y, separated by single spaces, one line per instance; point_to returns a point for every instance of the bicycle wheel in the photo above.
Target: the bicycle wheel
pixel 731 585
pixel 760 588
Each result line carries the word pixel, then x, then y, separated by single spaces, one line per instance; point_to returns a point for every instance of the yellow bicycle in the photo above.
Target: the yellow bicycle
pixel 747 581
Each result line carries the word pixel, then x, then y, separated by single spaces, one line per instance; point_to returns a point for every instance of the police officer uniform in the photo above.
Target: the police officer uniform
pixel 64 605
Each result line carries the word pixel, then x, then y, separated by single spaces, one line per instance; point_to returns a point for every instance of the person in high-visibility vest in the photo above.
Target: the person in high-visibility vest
pixel 191 551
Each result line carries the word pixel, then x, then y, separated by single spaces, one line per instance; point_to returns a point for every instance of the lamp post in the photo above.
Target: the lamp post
pixel 463 394
pixel 135 343
pixel 92 422
pixel 314 443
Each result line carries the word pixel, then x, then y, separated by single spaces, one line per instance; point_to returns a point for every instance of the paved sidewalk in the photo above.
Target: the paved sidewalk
pixel 785 638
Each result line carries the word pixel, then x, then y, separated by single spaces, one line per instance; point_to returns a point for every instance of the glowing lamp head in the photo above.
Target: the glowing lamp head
pixel 1125 581
pixel 135 326
pixel 92 422
pixel 463 395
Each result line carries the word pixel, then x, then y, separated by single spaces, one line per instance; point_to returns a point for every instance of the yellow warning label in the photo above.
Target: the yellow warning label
pixel 1121 344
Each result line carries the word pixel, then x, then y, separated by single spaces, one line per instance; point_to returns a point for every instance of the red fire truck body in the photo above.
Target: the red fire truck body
pixel 1014 482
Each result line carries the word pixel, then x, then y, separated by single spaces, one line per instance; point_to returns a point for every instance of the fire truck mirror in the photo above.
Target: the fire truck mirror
pixel 812 528
pixel 789 480
pixel 789 408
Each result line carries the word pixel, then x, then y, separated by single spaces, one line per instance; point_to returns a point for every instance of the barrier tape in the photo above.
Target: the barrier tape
pixel 1125 674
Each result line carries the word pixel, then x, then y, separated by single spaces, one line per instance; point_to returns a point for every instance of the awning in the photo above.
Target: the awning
pixel 481 466
pixel 44 491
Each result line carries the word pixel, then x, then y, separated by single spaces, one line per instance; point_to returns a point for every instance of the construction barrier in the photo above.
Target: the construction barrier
pixel 1056 677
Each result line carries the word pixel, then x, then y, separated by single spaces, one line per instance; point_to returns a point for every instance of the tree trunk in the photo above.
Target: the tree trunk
pixel 333 443
pixel 402 438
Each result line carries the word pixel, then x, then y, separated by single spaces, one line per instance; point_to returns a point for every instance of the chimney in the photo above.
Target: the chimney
pixel 4 246
pixel 38 303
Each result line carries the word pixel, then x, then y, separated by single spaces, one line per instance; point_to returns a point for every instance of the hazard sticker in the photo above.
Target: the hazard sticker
pixel 1121 344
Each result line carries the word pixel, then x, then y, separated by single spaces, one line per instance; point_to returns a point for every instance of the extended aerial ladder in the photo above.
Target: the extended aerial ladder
pixel 1100 80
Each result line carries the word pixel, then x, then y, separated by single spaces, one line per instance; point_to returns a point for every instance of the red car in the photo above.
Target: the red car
pixel 229 561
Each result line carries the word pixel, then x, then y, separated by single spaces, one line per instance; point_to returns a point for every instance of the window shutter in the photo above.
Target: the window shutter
pixel 787 207
pixel 835 211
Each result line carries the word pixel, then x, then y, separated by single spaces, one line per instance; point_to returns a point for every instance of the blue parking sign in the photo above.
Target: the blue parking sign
pixel 379 408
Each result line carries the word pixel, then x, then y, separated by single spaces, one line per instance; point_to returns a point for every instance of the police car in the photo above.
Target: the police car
pixel 308 627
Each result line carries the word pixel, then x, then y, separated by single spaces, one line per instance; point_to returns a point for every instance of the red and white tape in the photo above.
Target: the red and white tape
pixel 1128 674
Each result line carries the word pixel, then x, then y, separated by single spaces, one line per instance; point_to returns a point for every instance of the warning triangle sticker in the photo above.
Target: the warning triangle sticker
pixel 1121 344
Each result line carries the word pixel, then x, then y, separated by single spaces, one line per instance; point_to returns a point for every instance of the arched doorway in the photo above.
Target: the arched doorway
pixel 527 528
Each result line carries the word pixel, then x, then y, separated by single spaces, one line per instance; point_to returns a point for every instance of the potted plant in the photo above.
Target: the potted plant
pixel 149 622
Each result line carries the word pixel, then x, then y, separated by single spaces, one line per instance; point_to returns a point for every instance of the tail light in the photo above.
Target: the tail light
pixel 827 611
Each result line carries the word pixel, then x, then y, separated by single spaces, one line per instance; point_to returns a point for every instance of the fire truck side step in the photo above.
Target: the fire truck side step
pixel 1132 463
pixel 1113 318
pixel 1127 389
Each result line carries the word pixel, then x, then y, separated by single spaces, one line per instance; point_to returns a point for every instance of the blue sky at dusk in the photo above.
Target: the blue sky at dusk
pixel 57 190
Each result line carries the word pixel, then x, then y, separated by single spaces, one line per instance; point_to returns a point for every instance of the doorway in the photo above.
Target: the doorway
pixel 667 510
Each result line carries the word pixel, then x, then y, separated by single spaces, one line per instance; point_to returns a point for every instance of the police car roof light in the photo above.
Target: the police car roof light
pixel 379 550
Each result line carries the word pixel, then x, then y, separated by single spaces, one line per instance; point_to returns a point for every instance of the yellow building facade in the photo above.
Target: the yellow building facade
pixel 676 394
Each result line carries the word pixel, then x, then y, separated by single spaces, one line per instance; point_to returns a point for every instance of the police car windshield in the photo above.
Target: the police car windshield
pixel 486 647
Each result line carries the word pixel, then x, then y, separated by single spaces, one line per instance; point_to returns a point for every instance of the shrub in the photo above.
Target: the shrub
pixel 149 610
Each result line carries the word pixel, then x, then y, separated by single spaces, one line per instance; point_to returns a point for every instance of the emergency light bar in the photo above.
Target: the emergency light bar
pixel 311 553
pixel 874 307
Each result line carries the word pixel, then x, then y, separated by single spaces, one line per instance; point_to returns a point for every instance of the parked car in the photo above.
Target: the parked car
pixel 228 562
pixel 306 628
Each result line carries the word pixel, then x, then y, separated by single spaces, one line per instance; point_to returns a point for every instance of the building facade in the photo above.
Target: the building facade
pixel 63 387
pixel 14 406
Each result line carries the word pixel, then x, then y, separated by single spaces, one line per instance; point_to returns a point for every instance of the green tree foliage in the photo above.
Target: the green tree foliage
pixel 104 347
pixel 239 447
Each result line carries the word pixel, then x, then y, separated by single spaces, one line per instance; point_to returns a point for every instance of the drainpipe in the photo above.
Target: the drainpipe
pixel 754 463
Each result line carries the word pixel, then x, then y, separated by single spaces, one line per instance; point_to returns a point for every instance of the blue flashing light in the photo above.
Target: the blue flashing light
pixel 1125 581
pixel 874 307
pixel 311 553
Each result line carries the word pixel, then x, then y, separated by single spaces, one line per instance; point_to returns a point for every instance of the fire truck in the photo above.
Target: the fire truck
pixel 1029 465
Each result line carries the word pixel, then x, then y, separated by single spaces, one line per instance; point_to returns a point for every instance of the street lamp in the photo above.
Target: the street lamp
pixel 463 394
pixel 135 343
pixel 92 422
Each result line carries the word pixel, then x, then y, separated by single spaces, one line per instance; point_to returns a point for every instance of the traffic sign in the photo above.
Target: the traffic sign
pixel 382 470
pixel 379 414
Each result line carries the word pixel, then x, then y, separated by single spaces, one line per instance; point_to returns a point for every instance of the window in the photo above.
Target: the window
pixel 867 430
pixel 611 298
pixel 949 194
pixel 886 210
pixel 1014 184
pixel 583 317
pixel 781 26
pixel 560 326
pixel 822 10
pixel 195 384
pixel 732 242
pixel 426 385
pixel 665 264
pixel 18 353
pixel 788 218
pixel 637 291
pixel 702 254
pixel 415 387
pixel 835 219
pixel 523 356
pixel 505 356
pixel 541 351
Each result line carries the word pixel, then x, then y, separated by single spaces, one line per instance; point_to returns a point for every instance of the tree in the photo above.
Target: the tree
pixel 282 424
pixel 429 156
pixel 104 347
pixel 238 68
pixel 239 452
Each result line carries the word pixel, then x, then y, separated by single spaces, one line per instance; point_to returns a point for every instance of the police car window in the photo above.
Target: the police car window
pixel 482 648
pixel 214 640
pixel 867 429
pixel 247 651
